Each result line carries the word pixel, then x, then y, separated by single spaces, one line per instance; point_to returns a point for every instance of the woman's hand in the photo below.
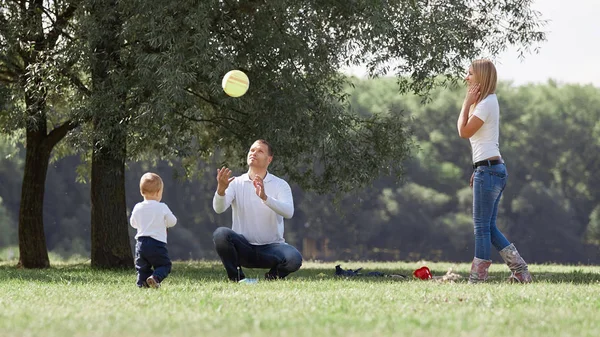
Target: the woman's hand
pixel 472 94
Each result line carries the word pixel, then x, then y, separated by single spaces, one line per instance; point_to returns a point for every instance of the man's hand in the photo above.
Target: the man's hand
pixel 471 180
pixel 223 180
pixel 259 187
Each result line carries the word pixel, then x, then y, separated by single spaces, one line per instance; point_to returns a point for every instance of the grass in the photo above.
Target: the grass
pixel 71 299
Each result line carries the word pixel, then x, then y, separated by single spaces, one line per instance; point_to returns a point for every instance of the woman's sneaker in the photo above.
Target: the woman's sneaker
pixel 153 282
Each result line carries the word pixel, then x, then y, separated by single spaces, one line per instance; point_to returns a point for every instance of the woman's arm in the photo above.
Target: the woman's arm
pixel 467 126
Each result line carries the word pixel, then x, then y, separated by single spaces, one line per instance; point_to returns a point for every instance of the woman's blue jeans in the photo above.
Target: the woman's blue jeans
pixel 488 185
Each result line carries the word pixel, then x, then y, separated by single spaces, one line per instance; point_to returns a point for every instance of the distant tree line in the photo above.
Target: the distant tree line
pixel 550 139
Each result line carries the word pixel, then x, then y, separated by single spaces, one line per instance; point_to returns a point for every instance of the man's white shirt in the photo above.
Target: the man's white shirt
pixel 152 218
pixel 260 222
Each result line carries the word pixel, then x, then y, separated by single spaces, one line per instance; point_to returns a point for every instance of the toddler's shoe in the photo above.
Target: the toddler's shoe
pixel 153 282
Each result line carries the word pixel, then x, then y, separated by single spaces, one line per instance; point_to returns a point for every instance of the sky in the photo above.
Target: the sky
pixel 571 53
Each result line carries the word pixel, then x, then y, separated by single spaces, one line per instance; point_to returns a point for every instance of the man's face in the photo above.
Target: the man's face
pixel 258 156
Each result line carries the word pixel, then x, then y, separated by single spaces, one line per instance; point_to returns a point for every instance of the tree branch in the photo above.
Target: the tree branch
pixel 49 15
pixel 22 5
pixel 9 65
pixel 213 102
pixel 3 22
pixel 208 120
pixel 60 132
pixel 62 20
pixel 202 120
pixel 7 76
pixel 77 82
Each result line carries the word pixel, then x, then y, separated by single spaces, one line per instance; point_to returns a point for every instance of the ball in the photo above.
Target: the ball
pixel 235 83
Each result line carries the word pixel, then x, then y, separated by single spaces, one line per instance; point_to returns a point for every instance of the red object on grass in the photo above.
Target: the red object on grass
pixel 423 273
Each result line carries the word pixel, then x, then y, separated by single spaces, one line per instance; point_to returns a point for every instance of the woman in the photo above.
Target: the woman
pixel 479 121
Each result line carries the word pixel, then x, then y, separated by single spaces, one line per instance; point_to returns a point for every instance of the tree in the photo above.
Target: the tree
pixel 174 55
pixel 108 107
pixel 155 70
pixel 37 68
pixel 292 52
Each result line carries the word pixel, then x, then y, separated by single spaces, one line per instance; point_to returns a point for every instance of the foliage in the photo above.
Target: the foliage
pixel 39 58
pixel 11 165
pixel 7 227
pixel 175 54
pixel 549 208
pixel 592 234
pixel 126 65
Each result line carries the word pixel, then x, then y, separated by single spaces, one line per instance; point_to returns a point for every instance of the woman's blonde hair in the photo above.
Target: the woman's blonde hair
pixel 150 183
pixel 485 74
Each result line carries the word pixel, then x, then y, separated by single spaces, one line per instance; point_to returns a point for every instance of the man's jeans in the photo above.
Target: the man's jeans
pixel 235 251
pixel 488 185
pixel 151 253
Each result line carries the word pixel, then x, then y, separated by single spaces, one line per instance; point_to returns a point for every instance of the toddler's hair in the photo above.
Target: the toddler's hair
pixel 150 183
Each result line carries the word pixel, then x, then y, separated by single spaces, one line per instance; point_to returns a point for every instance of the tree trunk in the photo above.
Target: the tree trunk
pixel 33 252
pixel 110 237
pixel 32 240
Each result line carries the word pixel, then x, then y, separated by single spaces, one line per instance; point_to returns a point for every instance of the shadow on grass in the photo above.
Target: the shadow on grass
pixel 575 277
pixel 213 271
pixel 62 273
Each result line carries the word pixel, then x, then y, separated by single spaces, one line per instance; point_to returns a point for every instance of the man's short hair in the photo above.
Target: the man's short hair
pixel 150 183
pixel 269 148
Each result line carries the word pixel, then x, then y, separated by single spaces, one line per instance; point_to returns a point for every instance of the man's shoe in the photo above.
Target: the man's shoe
pixel 240 275
pixel 271 277
pixel 153 282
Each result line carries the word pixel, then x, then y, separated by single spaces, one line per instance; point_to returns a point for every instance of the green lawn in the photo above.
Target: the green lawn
pixel 74 300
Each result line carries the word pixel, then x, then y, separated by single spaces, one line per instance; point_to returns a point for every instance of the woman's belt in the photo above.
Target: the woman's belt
pixel 488 163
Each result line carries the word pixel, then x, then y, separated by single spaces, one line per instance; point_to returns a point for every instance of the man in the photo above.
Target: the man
pixel 259 201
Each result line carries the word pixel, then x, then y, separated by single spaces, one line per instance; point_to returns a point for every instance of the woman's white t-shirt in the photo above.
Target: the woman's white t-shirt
pixel 485 141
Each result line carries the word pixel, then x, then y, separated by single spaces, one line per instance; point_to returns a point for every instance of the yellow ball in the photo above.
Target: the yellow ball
pixel 235 83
